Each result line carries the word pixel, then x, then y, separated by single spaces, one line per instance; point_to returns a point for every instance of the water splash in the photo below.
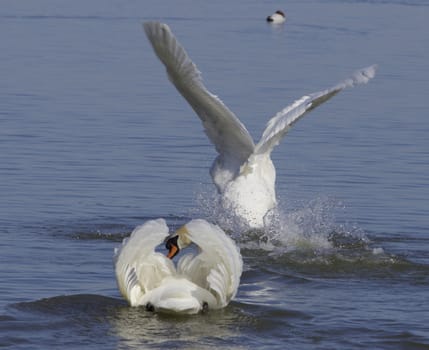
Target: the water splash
pixel 307 224
pixel 298 233
pixel 304 227
pixel 210 208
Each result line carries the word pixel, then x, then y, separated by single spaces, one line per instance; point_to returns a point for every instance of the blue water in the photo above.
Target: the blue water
pixel 94 140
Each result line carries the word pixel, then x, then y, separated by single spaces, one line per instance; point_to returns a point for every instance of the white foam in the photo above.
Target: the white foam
pixel 306 227
pixel 377 251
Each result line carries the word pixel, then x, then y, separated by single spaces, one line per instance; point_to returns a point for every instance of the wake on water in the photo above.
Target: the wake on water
pixel 306 233
pixel 303 234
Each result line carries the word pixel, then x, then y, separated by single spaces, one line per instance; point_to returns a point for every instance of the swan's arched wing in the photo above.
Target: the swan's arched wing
pixel 138 267
pixel 280 124
pixel 218 266
pixel 223 128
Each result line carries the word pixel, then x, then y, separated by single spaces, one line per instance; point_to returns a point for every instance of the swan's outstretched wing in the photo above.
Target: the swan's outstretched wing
pixel 218 266
pixel 280 124
pixel 138 267
pixel 223 128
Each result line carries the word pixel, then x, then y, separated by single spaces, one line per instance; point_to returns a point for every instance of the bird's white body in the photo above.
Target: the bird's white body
pixel 243 172
pixel 209 279
pixel 251 194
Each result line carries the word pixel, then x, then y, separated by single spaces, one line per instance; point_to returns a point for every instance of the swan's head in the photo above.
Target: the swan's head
pixel 179 240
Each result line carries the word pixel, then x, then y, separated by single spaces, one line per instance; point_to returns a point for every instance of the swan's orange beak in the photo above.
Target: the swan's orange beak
pixel 172 247
pixel 172 252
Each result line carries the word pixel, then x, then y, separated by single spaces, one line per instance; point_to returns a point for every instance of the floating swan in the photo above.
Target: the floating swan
pixel 242 172
pixel 277 17
pixel 208 280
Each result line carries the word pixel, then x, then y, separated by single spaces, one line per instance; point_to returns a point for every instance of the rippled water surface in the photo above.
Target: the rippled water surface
pixel 95 141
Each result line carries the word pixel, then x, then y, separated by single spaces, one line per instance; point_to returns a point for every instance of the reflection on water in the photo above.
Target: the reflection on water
pixel 110 322
pixel 134 326
pixel 89 315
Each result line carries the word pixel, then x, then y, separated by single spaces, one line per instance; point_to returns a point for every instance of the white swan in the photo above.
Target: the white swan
pixel 209 279
pixel 242 172
pixel 277 17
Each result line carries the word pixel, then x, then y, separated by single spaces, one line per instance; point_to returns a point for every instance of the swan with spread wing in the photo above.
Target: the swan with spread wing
pixel 207 280
pixel 243 171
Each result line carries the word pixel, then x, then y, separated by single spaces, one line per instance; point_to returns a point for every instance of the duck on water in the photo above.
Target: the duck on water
pixel 277 17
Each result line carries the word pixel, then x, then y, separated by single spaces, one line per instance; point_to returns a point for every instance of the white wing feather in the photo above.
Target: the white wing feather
pixel 223 128
pixel 280 124
pixel 218 266
pixel 138 267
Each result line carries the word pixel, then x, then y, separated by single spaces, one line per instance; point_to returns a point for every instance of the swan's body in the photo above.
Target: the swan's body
pixel 242 172
pixel 209 279
pixel 277 17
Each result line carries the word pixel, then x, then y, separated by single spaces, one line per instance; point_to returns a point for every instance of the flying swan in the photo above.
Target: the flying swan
pixel 207 280
pixel 242 172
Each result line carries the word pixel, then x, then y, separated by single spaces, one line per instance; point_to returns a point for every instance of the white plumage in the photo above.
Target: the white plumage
pixel 242 172
pixel 209 279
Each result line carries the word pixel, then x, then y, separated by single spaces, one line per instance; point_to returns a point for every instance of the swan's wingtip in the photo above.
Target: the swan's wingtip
pixel 153 26
pixel 369 72
pixel 364 75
